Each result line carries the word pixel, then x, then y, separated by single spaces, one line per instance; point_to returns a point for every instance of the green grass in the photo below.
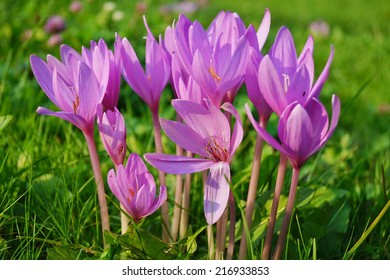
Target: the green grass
pixel 48 204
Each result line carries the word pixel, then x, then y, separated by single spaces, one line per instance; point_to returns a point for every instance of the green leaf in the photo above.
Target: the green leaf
pixel 4 121
pixel 62 253
pixel 143 245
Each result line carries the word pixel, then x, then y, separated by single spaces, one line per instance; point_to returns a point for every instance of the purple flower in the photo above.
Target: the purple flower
pixel 55 24
pixel 302 130
pixel 252 77
pixel 71 85
pixel 76 85
pixel 112 129
pixel 207 134
pixel 150 83
pixel 216 58
pixel 135 188
pixel 285 78
pixel 98 58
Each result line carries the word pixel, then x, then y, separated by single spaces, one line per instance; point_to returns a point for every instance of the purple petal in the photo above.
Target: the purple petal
pixel 315 92
pixel 216 192
pixel 135 165
pixel 299 89
pixel 309 46
pixel 298 134
pixel 185 137
pixel 262 32
pixel 162 197
pixel 88 92
pixel 283 52
pixel 43 74
pixel 76 120
pixel 196 116
pixel 218 122
pixel 263 133
pixel 271 87
pixel 335 118
pixel 173 164
pixel 238 131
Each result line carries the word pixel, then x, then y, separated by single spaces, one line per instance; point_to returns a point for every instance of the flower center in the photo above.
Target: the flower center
pixel 214 74
pixel 76 104
pixel 216 151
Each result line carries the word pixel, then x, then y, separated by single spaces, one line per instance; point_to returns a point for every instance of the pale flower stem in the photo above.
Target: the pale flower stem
pixel 274 207
pixel 161 175
pixel 178 195
pixel 210 242
pixel 185 204
pixel 124 221
pixel 252 190
pixel 232 208
pixel 222 235
pixel 99 183
pixel 217 240
pixel 286 221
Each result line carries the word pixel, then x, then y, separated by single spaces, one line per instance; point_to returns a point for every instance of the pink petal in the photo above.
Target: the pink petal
pixel 262 32
pixel 216 191
pixel 238 131
pixel 173 164
pixel 185 137
pixel 315 92
pixel 76 120
pixel 271 87
pixel 263 133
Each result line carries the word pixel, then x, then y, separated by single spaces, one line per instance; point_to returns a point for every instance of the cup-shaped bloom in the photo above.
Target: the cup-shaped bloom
pixel 135 188
pixel 76 84
pixel 112 129
pixel 302 130
pixel 150 83
pixel 206 133
pixel 285 78
pixel 71 85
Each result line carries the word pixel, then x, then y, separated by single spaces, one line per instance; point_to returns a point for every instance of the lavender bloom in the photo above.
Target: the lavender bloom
pixel 150 83
pixel 207 134
pixel 252 77
pixel 286 78
pixel 302 130
pixel 135 188
pixel 55 24
pixel 112 129
pixel 76 85
pixel 71 85
pixel 216 58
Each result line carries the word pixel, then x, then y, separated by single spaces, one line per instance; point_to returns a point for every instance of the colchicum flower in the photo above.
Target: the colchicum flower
pixel 215 58
pixel 285 78
pixel 112 129
pixel 206 133
pixel 302 130
pixel 135 188
pixel 148 84
pixel 78 83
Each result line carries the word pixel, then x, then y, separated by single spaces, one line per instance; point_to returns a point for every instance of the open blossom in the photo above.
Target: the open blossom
pixel 135 188
pixel 112 129
pixel 206 133
pixel 302 130
pixel 77 83
pixel 285 78
pixel 150 83
pixel 216 58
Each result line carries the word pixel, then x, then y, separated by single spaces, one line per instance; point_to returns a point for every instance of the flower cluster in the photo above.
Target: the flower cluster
pixel 206 67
